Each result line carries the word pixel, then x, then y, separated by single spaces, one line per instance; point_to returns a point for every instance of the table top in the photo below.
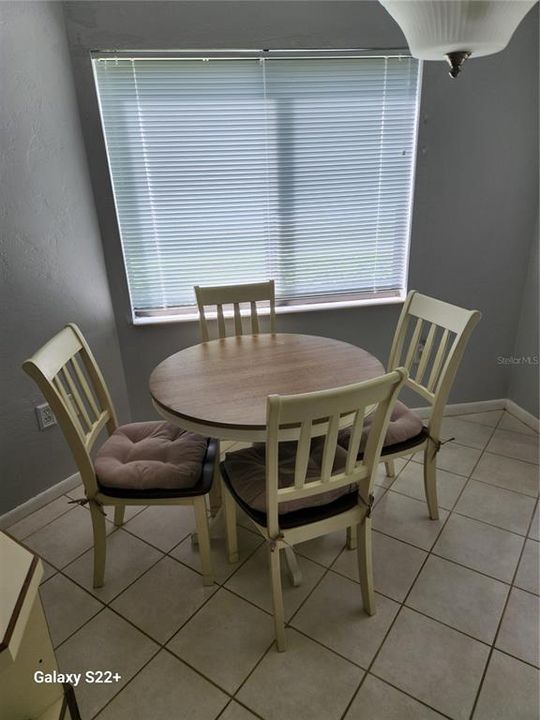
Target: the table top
pixel 224 384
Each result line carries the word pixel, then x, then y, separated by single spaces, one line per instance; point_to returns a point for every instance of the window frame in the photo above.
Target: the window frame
pixel 190 313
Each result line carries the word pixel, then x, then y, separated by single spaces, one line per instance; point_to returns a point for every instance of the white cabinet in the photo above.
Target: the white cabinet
pixel 25 644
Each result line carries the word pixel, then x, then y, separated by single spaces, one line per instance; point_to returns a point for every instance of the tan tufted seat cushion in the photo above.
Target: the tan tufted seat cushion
pixel 149 457
pixel 404 426
pixel 244 472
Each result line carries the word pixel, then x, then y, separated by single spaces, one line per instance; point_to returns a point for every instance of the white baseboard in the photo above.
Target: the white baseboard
pixel 486 406
pixel 468 408
pixel 37 502
pixel 526 417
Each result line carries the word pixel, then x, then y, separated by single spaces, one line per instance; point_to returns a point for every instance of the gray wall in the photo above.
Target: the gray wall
pixel 51 255
pixel 524 388
pixel 477 179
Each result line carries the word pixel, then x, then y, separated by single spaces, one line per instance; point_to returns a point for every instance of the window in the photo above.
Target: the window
pixel 240 169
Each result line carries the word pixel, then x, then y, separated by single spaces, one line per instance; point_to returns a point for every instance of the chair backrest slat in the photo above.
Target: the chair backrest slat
pixel 59 385
pixel 85 387
pixel 203 324
pixel 438 361
pixel 355 439
pixel 237 319
pixel 438 354
pixel 411 352
pixel 97 427
pixel 235 295
pixel 254 318
pixel 425 354
pixel 319 416
pixel 77 399
pixel 421 390
pixel 221 321
pixel 67 374
pixel 302 455
pixel 329 452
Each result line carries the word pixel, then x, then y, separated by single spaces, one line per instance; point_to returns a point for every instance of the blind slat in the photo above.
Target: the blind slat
pixel 242 170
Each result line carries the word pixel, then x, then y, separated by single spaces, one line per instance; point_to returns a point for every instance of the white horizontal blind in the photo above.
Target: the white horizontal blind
pixel 240 170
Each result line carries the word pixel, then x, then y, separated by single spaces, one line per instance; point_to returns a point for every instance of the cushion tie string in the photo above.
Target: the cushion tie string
pixel 84 501
pixel 368 504
pixel 273 541
pixel 437 444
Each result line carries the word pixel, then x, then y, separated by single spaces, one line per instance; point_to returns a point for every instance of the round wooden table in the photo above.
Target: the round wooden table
pixel 219 388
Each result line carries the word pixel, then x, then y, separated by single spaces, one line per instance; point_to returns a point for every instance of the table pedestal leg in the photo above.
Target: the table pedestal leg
pixel 292 566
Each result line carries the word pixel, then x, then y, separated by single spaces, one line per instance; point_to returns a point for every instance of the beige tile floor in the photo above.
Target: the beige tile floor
pixel 456 629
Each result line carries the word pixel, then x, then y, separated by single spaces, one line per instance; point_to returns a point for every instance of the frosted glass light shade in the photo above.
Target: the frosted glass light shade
pixel 435 29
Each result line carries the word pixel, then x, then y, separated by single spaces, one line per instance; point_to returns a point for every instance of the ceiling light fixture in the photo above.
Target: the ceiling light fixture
pixel 454 30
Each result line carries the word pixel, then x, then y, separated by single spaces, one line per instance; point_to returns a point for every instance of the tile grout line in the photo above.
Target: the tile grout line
pixel 239 702
pixel 501 618
pixel 161 646
pixel 398 613
pixel 501 487
pixel 108 603
pixel 287 625
pixel 513 457
pixel 68 509
pixel 485 522
pixel 484 672
pixel 327 570
pixel 402 605
pixel 463 477
pixel 496 636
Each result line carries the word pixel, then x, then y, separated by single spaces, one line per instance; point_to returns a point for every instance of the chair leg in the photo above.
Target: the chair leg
pixel 351 538
pixel 277 598
pixel 390 469
pixel 119 511
pixel 201 521
pixel 230 524
pixel 430 483
pixel 365 565
pixel 100 543
pixel 215 490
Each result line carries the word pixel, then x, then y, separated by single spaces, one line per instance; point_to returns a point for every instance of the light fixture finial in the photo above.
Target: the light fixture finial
pixel 456 60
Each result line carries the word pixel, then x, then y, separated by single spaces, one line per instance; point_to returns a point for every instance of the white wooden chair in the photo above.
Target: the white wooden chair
pixel 295 491
pixel 67 374
pixel 430 339
pixel 235 295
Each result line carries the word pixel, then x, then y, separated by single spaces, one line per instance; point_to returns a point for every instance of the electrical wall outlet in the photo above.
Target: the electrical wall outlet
pixel 45 416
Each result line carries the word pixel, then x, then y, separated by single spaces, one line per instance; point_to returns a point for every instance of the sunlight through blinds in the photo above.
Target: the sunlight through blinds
pixel 240 170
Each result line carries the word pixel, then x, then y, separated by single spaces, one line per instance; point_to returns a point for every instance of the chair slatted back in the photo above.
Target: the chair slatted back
pixel 69 378
pixel 311 415
pixel 430 340
pixel 247 295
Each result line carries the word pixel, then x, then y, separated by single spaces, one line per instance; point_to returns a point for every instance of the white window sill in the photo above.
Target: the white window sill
pixel 280 310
